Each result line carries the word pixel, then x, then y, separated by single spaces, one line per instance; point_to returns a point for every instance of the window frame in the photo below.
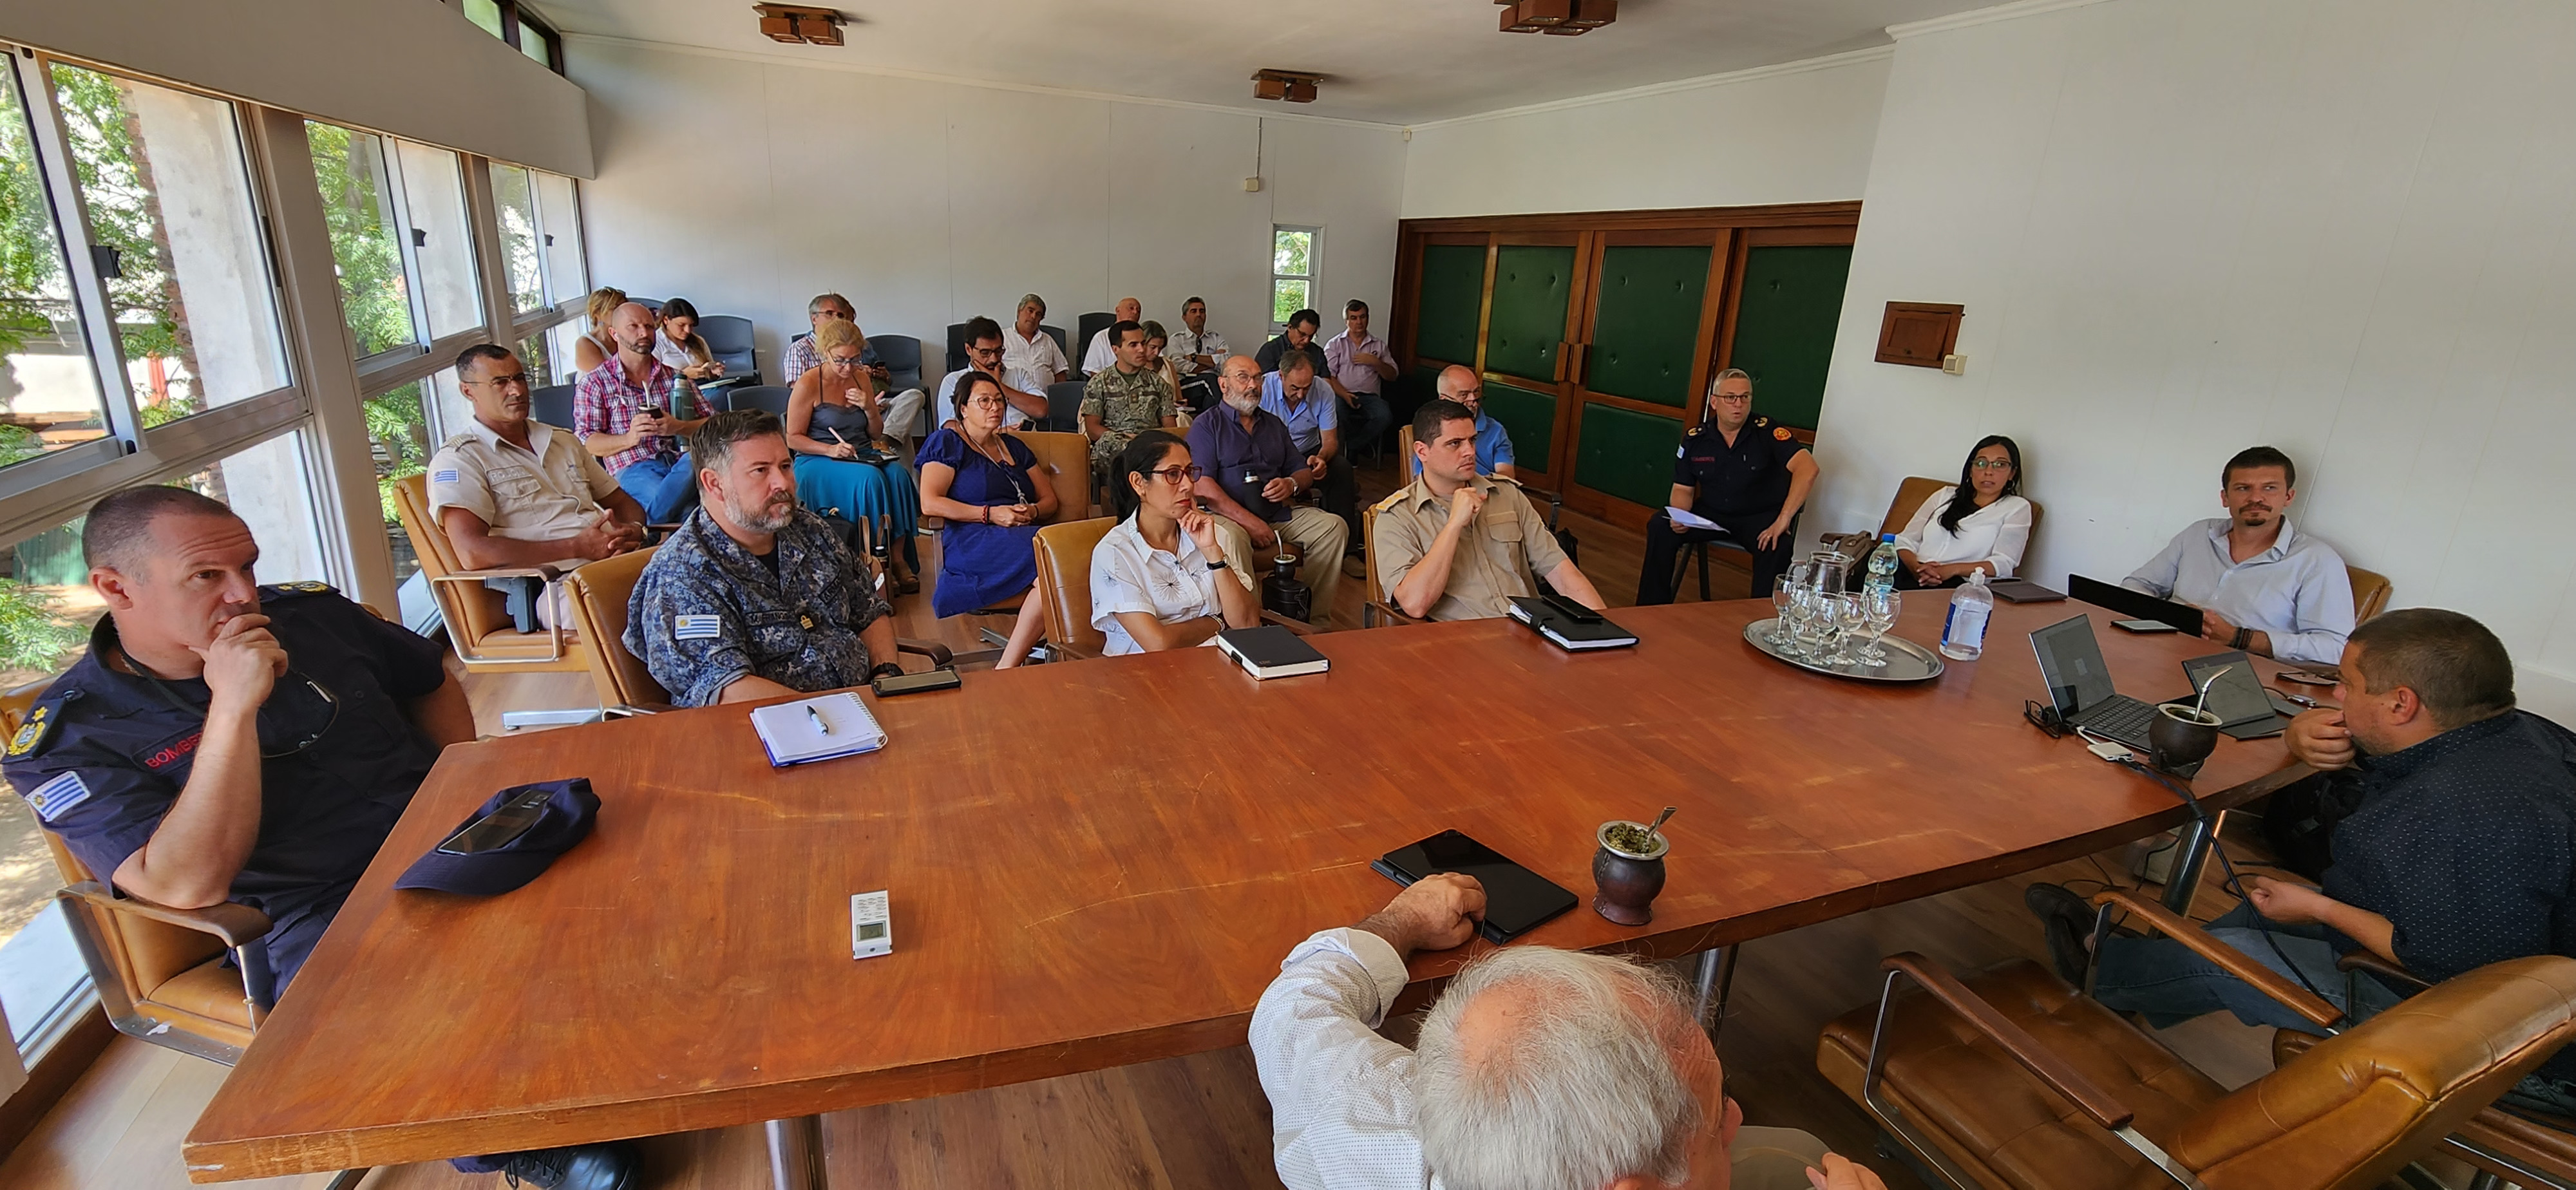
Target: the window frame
pixel 1313 276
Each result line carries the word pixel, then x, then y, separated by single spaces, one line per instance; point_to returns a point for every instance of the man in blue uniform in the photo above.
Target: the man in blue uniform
pixel 1742 472
pixel 753 597
pixel 224 741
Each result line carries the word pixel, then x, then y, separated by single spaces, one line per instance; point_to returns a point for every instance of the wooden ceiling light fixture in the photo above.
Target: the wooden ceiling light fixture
pixel 1294 86
pixel 1564 18
pixel 799 25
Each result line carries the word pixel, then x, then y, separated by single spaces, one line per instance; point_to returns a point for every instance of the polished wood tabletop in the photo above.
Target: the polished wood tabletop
pixel 1099 863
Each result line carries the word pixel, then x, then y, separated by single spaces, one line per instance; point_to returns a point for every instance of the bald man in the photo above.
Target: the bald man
pixel 1102 354
pixel 1493 443
pixel 635 414
pixel 1518 1036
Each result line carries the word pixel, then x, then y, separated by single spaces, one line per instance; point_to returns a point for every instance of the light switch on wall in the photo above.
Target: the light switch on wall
pixel 1252 185
pixel 1955 364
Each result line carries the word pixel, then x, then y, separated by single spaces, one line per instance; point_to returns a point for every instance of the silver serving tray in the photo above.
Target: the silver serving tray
pixel 1906 660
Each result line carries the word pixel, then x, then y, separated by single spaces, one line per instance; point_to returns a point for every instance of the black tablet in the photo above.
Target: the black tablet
pixel 1516 899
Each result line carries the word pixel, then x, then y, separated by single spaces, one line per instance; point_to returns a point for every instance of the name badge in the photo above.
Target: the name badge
pixel 696 627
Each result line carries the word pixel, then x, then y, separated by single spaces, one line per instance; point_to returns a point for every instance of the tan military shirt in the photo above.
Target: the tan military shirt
pixel 1496 555
pixel 549 490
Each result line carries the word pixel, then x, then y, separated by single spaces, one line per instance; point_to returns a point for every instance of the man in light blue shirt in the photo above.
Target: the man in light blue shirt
pixel 1493 443
pixel 2261 585
pixel 1296 395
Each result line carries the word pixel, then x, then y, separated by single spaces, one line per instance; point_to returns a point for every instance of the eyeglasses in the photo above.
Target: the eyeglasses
pixel 986 402
pixel 1734 396
pixel 1176 476
pixel 294 705
pixel 517 378
pixel 842 361
pixel 1991 465
pixel 2044 718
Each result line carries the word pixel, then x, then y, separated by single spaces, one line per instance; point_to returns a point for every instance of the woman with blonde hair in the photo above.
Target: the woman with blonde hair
pixel 594 347
pixel 844 466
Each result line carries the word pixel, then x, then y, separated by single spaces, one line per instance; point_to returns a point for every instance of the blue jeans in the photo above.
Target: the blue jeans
pixel 665 487
pixel 2166 982
pixel 1362 425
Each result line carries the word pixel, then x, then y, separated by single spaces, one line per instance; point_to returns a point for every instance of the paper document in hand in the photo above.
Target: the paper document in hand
pixel 1691 520
pixel 817 729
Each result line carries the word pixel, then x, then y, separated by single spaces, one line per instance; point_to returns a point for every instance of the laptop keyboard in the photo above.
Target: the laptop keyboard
pixel 2123 718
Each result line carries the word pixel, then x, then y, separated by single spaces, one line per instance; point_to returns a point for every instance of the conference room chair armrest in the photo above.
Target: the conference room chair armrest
pixel 1392 614
pixel 2281 988
pixel 2396 976
pixel 2057 1073
pixel 237 925
pixel 549 573
pixel 939 654
pixel 1300 627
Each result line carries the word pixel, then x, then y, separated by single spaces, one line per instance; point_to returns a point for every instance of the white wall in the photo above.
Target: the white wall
pixel 749 186
pixel 2182 227
pixel 414 68
pixel 1795 133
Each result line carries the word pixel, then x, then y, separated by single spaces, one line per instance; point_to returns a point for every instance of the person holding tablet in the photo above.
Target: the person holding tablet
pixel 1980 523
pixel 1162 579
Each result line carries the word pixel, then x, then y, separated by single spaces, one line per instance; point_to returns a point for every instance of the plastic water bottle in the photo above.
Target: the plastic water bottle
pixel 1963 638
pixel 1882 567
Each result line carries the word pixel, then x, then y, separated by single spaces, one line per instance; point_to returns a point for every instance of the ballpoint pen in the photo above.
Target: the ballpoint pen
pixel 819 725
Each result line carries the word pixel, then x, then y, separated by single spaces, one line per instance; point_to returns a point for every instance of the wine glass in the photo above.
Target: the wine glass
pixel 1842 617
pixel 1879 608
pixel 1783 593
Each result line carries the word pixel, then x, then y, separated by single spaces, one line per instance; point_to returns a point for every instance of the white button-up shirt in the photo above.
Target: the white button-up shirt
pixel 1341 1097
pixel 1128 575
pixel 1030 365
pixel 1099 355
pixel 1997 533
pixel 2297 592
pixel 547 491
pixel 1183 345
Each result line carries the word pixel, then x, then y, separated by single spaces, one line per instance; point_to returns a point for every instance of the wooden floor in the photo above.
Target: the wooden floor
pixel 1199 1121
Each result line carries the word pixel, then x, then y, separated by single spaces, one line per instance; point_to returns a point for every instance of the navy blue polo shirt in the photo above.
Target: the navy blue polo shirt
pixel 1242 460
pixel 1748 476
pixel 106 753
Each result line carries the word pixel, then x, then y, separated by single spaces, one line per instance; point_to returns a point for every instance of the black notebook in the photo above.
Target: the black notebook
pixel 1564 631
pixel 1270 651
pixel 2022 590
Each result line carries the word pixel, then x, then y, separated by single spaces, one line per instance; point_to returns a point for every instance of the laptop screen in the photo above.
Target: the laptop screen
pixel 2237 694
pixel 2070 661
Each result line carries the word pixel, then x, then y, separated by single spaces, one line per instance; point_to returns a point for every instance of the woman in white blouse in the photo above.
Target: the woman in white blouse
pixel 1980 523
pixel 1160 580
pixel 679 345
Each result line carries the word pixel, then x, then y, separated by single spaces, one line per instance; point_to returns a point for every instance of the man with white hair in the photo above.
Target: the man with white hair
pixel 1103 351
pixel 1538 1069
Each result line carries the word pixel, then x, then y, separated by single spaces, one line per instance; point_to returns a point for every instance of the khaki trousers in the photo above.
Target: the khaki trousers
pixel 1319 533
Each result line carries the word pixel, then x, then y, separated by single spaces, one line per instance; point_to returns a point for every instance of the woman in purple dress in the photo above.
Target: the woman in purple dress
pixel 989 488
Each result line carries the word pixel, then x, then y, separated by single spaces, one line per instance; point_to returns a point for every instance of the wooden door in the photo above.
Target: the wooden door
pixel 1647 333
pixel 1787 304
pixel 1534 296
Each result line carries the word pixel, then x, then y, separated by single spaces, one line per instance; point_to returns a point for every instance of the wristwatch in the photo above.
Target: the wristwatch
pixel 2244 637
pixel 884 669
pixel 1217 565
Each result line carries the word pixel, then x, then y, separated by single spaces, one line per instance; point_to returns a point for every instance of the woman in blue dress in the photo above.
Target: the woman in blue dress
pixel 832 415
pixel 989 488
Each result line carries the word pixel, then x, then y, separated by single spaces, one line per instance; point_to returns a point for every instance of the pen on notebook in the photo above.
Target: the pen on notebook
pixel 819 725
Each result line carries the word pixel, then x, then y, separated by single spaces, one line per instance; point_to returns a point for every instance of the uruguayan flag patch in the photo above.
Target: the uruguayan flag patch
pixel 696 627
pixel 444 476
pixel 62 793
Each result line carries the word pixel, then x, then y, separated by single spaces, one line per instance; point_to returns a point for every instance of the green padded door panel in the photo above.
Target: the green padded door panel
pixel 1626 453
pixel 1531 419
pixel 1645 329
pixel 1784 330
pixel 1453 294
pixel 1531 282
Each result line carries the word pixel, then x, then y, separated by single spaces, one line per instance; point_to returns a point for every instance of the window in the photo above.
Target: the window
pixel 399 443
pixel 268 487
pixel 49 394
pixel 487 13
pixel 177 234
pixel 1292 272
pixel 433 201
pixel 515 201
pixel 46 610
pixel 560 350
pixel 539 43
pixel 506 20
pixel 357 205
pixel 560 212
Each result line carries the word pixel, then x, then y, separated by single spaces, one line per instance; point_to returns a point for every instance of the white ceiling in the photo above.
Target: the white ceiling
pixel 1388 61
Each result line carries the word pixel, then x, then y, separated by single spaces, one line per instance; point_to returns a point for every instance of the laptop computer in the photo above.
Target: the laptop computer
pixel 2245 710
pixel 2136 605
pixel 2079 684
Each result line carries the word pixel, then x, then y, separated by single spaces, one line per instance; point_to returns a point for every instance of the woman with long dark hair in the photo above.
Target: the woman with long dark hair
pixel 1980 523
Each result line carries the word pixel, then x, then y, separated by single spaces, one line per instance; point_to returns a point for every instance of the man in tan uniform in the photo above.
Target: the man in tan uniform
pixel 1455 545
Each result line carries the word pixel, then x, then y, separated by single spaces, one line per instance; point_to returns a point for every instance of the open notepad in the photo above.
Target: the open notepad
pixel 818 728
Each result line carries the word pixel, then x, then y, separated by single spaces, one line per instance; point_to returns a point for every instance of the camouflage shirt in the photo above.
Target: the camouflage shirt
pixel 1128 404
pixel 706 611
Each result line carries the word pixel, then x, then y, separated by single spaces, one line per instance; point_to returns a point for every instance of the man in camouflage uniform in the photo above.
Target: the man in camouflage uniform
pixel 1124 400
pixel 753 597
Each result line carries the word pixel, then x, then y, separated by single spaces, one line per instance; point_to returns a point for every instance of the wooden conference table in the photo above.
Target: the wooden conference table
pixel 1102 863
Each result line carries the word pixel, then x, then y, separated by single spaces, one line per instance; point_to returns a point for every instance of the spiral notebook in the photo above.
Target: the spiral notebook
pixel 820 728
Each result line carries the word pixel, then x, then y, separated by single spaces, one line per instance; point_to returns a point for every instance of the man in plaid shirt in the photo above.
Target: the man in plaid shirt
pixel 633 412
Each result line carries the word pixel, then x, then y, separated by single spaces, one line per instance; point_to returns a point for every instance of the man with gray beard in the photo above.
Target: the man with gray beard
pixel 753 597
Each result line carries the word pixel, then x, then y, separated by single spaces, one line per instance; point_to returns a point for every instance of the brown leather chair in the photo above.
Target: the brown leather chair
pixel 478 621
pixel 2370 591
pixel 1910 496
pixel 1379 609
pixel 2013 1079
